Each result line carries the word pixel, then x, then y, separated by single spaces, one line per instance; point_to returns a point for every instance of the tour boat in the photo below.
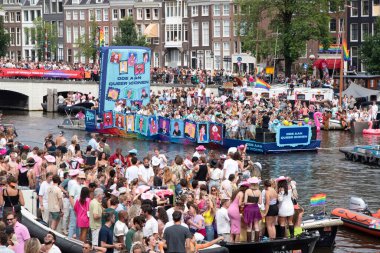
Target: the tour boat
pixel 359 218
pixel 305 243
pixel 72 123
pixel 363 153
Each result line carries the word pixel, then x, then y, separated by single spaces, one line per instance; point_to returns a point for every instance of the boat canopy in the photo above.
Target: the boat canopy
pixel 358 91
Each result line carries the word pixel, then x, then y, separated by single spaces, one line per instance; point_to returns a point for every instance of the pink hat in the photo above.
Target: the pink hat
pixel 188 164
pixel 73 173
pixel 147 195
pixel 241 147
pixel 223 157
pixel 244 183
pixel 115 193
pixel 200 148
pixel 281 178
pixel 253 180
pixel 143 188
pixel 49 158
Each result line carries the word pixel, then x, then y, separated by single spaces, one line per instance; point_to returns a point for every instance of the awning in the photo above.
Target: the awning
pixel 151 31
pixel 330 63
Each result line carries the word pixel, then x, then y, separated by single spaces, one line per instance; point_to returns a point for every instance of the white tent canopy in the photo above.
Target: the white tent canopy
pixel 358 91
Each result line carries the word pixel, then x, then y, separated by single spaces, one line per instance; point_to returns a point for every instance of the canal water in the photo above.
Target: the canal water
pixel 325 171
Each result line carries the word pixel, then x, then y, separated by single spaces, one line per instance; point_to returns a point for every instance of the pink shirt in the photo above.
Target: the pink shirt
pixel 22 234
pixel 37 166
pixel 81 212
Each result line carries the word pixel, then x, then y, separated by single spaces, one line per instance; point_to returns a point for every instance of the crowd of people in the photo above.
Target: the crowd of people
pixel 130 203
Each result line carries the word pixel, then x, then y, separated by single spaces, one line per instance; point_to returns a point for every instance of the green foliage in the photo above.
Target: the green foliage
pixel 297 21
pixel 4 38
pixel 87 42
pixel 44 29
pixel 370 51
pixel 127 35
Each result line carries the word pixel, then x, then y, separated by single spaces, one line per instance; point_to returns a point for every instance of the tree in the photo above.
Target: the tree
pixel 291 22
pixel 87 43
pixel 370 50
pixel 45 34
pixel 4 38
pixel 127 35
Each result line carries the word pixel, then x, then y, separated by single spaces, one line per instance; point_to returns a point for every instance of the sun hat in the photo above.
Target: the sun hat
pixel 115 193
pixel 232 150
pixel 244 183
pixel 147 195
pixel 258 165
pixel 200 148
pixel 133 151
pixel 50 158
pixel 73 173
pixel 282 178
pixel 82 175
pixel 123 190
pixel 223 157
pixel 241 146
pixel 188 164
pixel 253 180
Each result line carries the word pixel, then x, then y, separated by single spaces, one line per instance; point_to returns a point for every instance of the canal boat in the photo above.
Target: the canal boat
pixel 304 243
pixel 325 225
pixel 363 153
pixel 72 123
pixel 359 217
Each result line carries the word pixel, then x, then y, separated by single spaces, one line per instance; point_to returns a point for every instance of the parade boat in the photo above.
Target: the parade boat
pixel 305 243
pixel 325 225
pixel 72 123
pixel 363 153
pixel 359 217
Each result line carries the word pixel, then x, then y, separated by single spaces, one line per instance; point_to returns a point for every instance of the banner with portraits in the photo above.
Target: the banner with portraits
pixel 141 124
pixel 177 128
pixel 164 126
pixel 108 119
pixel 203 132
pixel 216 133
pixel 120 121
pixel 153 126
pixel 190 130
pixel 130 122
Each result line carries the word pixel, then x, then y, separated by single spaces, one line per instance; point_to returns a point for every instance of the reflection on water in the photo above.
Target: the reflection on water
pixel 325 171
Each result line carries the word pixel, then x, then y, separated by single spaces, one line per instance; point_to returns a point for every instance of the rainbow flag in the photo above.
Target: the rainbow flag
pixel 318 199
pixel 101 37
pixel 262 84
pixel 346 53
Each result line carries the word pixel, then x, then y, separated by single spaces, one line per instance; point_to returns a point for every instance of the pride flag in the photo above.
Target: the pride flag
pixel 101 37
pixel 346 53
pixel 262 84
pixel 318 199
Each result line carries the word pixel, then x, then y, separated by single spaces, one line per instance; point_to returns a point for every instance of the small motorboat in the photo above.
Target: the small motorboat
pixel 363 153
pixel 38 230
pixel 304 243
pixel 73 123
pixel 325 225
pixel 359 217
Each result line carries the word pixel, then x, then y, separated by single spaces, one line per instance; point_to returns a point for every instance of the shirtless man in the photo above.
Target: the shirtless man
pixel 13 164
pixel 60 139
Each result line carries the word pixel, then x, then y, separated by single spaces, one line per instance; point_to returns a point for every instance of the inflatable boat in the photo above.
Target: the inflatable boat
pixel 38 230
pixel 326 226
pixel 304 243
pixel 362 153
pixel 358 217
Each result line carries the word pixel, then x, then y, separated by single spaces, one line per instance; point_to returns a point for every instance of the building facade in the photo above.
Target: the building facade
pixel 189 33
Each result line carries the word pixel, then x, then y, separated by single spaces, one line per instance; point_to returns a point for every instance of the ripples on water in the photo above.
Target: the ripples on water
pixel 324 171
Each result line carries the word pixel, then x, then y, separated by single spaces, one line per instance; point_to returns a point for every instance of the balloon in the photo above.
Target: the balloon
pixel 306 120
pixel 285 123
pixel 300 123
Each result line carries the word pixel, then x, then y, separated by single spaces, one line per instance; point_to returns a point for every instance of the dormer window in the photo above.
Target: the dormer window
pixel 99 1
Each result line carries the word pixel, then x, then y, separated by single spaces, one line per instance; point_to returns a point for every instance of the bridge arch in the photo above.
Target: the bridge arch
pixel 13 100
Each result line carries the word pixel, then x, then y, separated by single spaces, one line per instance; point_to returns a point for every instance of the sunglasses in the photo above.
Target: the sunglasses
pixel 10 219
pixel 213 190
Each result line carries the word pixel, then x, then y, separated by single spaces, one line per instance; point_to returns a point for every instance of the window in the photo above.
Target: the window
pixel 208 59
pixel 81 15
pixel 46 7
pixel 26 15
pixel 217 56
pixel 115 30
pixel 195 34
pixel 185 33
pixel 354 8
pixel 76 56
pixel 75 34
pixel 68 34
pixel 54 6
pixel 173 32
pixel 354 56
pixel 98 15
pixel 12 17
pixel 130 12
pixel 60 6
pixel 26 35
pixel 364 31
pixel 68 15
pixel 115 14
pixel 18 16
pixel 365 8
pixel 38 14
pixel 226 49
pixel 147 14
pixel 13 36
pixel 194 11
pixel 204 10
pixel 105 14
pixel 226 28
pixel 75 15
pixel 139 14
pixel 354 32
pixel 226 9
pixel 216 28
pixel 82 32
pixel 69 55
pixel 333 25
pixel 6 17
pixel 236 9
pixel 185 10
pixel 33 36
pixel 75 1
pixel 235 29
pixel 106 36
pixel 122 13
pixel 205 34
pixel 60 29
pixel 155 14
pixel 90 15
pixel 216 10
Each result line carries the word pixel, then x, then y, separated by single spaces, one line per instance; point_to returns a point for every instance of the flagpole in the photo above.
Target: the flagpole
pixel 341 54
